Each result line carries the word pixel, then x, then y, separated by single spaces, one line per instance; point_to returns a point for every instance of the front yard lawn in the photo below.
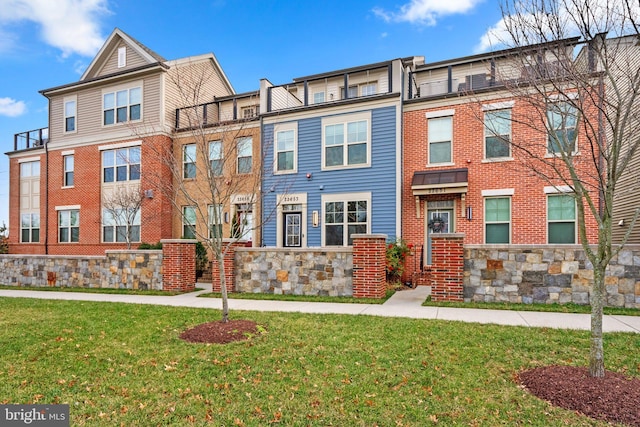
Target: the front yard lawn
pixel 124 364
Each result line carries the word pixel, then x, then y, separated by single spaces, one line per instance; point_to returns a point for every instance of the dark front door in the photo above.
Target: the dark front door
pixel 292 229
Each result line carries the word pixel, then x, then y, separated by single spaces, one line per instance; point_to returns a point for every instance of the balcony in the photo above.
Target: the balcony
pixel 30 139
pixel 223 110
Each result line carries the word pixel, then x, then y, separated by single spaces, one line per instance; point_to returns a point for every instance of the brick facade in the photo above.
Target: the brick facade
pixel 228 262
pixel 369 262
pixel 528 202
pixel 447 268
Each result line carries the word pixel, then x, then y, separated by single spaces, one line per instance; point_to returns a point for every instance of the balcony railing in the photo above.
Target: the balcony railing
pixel 30 139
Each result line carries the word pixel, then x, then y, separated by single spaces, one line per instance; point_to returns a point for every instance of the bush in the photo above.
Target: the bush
pixel 150 246
pixel 397 252
pixel 4 240
pixel 202 259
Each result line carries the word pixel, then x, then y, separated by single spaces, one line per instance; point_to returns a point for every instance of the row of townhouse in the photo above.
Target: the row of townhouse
pixel 399 147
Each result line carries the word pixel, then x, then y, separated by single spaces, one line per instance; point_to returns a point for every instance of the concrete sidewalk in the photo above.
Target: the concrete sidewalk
pixel 407 303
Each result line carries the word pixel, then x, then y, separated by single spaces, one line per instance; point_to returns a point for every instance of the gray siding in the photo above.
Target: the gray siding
pixel 111 64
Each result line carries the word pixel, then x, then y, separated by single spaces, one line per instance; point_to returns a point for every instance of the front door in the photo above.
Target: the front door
pixel 439 220
pixel 292 229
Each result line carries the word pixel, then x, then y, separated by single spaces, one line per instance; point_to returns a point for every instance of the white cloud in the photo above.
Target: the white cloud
pixel 530 25
pixel 73 26
pixel 11 107
pixel 426 12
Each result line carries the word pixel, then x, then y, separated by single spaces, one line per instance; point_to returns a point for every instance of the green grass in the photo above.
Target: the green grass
pixel 121 364
pixel 95 290
pixel 304 298
pixel 556 308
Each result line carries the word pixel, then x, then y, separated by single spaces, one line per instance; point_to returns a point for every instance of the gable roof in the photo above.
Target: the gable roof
pixel 116 36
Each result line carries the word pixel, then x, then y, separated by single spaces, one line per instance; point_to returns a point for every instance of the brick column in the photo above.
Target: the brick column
pixel 178 265
pixel 369 262
pixel 229 266
pixel 447 266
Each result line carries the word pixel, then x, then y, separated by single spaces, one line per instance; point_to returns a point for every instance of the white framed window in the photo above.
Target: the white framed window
pixel 285 148
pixel 345 215
pixel 70 114
pixel 215 158
pixel 67 163
pixel 69 226
pixel 189 161
pixel 189 222
pixel 121 225
pixel 368 89
pixel 562 117
pixel 497 220
pixel 122 57
pixel 497 134
pixel 122 164
pixel 29 169
pixel 215 221
pixel 351 93
pixel 561 219
pixel 440 137
pixel 346 141
pixel 121 106
pixel 29 227
pixel 245 154
pixel 318 97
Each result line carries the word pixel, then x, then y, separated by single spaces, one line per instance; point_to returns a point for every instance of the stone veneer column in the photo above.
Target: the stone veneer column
pixel 229 266
pixel 447 266
pixel 369 263
pixel 178 265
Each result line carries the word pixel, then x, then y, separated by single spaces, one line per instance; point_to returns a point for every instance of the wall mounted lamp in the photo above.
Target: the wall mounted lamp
pixel 315 218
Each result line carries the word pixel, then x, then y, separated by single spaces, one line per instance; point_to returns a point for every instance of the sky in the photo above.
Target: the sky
pixel 45 43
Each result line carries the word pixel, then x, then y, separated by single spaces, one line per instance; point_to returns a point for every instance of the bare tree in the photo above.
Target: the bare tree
pixel 121 214
pixel 215 163
pixel 574 64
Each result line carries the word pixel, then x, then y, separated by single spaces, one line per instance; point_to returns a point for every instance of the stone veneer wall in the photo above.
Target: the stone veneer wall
pixel 308 271
pixel 546 274
pixel 117 269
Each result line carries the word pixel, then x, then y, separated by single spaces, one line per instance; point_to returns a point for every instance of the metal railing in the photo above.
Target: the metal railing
pixel 30 139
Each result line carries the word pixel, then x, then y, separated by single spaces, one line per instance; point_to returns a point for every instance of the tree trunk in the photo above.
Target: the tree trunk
pixel 596 356
pixel 223 289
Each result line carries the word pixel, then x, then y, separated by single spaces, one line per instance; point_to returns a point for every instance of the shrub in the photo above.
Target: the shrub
pixel 150 246
pixel 397 252
pixel 4 240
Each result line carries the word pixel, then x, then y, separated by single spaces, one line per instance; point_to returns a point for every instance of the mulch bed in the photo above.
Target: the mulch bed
pixel 614 398
pixel 221 333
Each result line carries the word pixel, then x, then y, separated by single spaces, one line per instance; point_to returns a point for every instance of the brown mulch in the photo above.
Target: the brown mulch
pixel 614 398
pixel 221 333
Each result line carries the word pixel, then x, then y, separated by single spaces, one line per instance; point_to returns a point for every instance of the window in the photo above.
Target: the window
pixel 122 106
pixel 69 226
pixel 215 221
pixel 68 170
pixel 122 164
pixel 561 218
pixel 248 112
pixel 215 157
pixel 318 97
pixel 70 116
pixel 122 57
pixel 245 153
pixel 189 161
pixel 354 152
pixel 352 92
pixel 440 136
pixel 285 151
pixel 562 117
pixel 368 89
pixel 189 222
pixel 30 228
pixel 29 169
pixel 497 134
pixel 343 219
pixel 121 225
pixel 497 217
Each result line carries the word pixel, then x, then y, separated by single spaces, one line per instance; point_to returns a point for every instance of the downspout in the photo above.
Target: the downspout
pixel 46 185
pixel 262 193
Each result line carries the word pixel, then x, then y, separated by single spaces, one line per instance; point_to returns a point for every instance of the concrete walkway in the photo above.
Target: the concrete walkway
pixel 407 303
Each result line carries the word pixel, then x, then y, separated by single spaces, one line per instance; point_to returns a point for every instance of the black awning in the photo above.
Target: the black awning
pixel 441 181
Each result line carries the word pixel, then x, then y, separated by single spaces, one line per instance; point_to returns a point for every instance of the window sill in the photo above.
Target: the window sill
pixel 559 155
pixel 64 187
pixel 348 167
pixel 497 160
pixel 439 165
pixel 287 172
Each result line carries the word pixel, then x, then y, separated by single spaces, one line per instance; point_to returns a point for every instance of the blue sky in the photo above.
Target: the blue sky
pixel 45 43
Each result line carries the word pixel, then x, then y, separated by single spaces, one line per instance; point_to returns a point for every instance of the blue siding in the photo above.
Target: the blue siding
pixel 379 179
